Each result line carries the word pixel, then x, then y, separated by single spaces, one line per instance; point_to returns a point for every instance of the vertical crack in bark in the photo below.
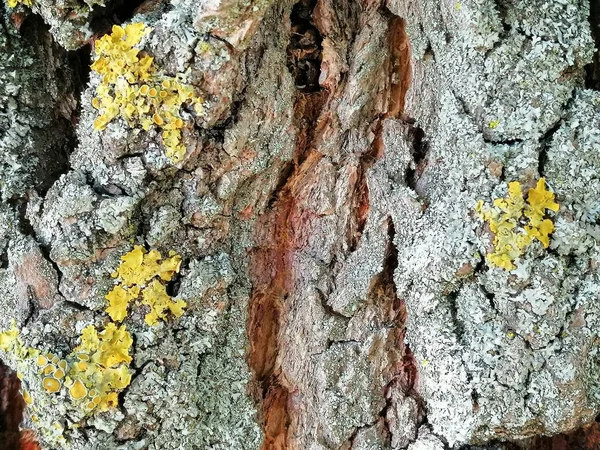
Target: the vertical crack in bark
pixel 399 70
pixel 280 232
pixel 403 374
pixel 283 230
pixel 304 49
pixel 70 71
pixel 12 407
pixel 592 80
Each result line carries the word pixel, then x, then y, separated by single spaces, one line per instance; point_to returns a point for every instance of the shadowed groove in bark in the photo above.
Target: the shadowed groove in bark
pixel 104 17
pixel 271 260
pixel 284 228
pixel 304 49
pixel 403 373
pixel 399 72
pixel 272 275
pixel 12 406
pixel 592 80
pixel 54 156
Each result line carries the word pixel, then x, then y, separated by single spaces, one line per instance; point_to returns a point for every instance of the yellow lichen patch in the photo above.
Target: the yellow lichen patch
pixel 106 371
pixel 160 303
pixel 9 339
pixel 132 88
pixel 138 266
pixel 78 390
pixel 108 348
pixel 14 3
pixel 146 273
pixel 119 299
pixel 52 385
pixel 42 361
pixel 506 217
pixel 27 397
pixel 100 365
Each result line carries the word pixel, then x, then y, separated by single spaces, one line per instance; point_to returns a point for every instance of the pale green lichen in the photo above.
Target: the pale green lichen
pixel 507 216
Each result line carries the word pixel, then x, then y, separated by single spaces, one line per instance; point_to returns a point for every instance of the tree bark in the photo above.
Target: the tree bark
pixel 337 277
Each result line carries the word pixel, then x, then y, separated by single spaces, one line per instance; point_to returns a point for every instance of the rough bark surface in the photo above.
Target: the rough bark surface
pixel 333 266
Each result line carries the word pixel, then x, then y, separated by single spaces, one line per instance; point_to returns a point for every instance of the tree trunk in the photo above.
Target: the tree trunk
pixel 340 284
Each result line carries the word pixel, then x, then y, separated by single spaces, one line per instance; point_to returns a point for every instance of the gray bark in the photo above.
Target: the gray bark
pixel 335 271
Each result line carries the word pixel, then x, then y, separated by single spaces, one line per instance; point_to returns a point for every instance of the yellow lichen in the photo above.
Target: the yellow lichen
pixel 132 88
pixel 9 339
pixel 78 390
pixel 506 217
pixel 51 384
pixel 96 369
pixel 145 273
pixel 14 3
pixel 161 303
pixel 27 397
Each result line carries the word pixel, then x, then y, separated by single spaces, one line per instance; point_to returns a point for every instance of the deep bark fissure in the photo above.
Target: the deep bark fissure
pixel 592 80
pixel 305 47
pixel 273 277
pixel 73 76
pixel 12 407
pixel 104 17
pixel 420 157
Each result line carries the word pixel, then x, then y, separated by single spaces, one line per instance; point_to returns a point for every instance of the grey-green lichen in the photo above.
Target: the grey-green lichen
pixel 498 350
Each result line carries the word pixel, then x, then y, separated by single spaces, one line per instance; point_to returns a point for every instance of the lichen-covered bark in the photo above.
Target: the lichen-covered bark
pixel 338 295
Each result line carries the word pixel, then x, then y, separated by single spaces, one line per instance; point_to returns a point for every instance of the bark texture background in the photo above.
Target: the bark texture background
pixel 334 269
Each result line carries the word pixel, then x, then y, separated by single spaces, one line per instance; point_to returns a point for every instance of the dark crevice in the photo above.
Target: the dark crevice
pixel 218 130
pixel 545 143
pixel 23 224
pixel 453 309
pixel 120 11
pixel 509 142
pixel 130 156
pixel 383 292
pixel 32 308
pixel 592 79
pixel 354 435
pixel 474 399
pixel 174 285
pixel 284 176
pixel 420 149
pixel 67 71
pixel 77 306
pixel 491 299
pixel 428 54
pixel 4 258
pixel 305 47
pixel 12 407
pixel 79 63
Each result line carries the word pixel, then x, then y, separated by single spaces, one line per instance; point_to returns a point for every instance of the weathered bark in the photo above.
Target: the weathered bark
pixel 338 295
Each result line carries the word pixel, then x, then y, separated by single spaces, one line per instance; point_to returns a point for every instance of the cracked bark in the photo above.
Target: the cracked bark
pixel 334 129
